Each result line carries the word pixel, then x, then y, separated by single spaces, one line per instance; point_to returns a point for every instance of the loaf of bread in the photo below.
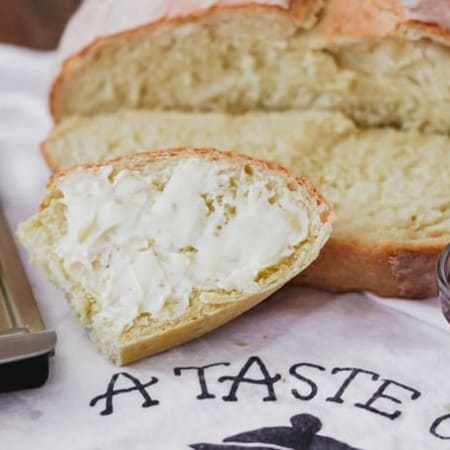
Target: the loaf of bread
pixel 155 249
pixel 273 78
pixel 390 188
pixel 381 62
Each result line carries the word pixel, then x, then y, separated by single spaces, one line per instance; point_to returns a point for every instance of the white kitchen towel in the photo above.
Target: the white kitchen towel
pixel 305 370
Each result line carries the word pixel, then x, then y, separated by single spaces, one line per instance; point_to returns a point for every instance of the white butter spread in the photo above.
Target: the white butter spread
pixel 140 249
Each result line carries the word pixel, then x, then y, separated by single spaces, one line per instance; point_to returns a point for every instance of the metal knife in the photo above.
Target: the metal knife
pixel 25 344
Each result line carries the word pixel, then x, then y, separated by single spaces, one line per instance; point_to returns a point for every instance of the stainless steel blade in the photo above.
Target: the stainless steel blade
pixel 18 307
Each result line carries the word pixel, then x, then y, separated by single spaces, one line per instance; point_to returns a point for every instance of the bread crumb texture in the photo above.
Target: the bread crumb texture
pixel 386 185
pixel 264 60
pixel 147 244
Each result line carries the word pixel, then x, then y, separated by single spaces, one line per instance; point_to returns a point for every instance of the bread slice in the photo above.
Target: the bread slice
pixel 155 249
pixel 390 188
pixel 273 135
pixel 381 63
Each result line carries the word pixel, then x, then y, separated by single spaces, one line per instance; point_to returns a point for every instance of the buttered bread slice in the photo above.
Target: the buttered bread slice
pixel 155 249
pixel 390 188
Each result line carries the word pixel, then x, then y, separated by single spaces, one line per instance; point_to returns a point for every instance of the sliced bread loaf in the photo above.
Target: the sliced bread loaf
pixel 390 188
pixel 382 62
pixel 155 249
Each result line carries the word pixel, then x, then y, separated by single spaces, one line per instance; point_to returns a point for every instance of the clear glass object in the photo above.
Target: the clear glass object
pixel 443 281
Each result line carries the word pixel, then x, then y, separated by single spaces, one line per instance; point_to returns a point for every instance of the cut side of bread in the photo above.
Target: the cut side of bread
pixel 84 140
pixel 390 188
pixel 261 57
pixel 155 249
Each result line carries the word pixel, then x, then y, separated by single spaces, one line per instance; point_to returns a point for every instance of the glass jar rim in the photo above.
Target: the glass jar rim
pixel 443 273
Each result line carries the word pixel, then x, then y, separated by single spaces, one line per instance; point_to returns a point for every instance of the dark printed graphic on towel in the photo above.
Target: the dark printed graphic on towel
pixel 301 435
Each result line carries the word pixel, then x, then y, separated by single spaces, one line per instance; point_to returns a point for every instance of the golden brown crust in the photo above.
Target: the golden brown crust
pixel 388 270
pixel 346 19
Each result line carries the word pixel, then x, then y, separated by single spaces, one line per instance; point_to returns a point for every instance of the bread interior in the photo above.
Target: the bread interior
pixel 246 60
pixel 385 185
pixel 141 248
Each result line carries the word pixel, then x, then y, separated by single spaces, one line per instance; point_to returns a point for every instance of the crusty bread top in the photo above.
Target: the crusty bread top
pixel 334 19
pixel 382 17
pixel 413 19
